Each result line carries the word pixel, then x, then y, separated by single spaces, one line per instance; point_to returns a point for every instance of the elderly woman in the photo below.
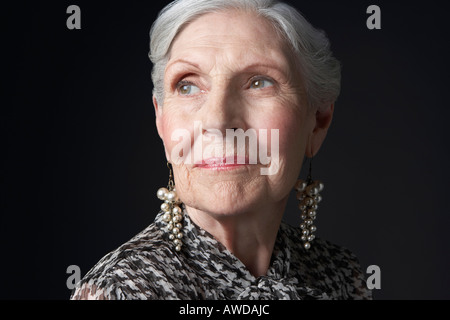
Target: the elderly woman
pixel 223 69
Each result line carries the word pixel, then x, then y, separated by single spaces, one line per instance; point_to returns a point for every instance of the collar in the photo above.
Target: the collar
pixel 213 258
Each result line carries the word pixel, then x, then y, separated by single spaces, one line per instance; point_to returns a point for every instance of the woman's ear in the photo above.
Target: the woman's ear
pixel 158 117
pixel 160 124
pixel 323 118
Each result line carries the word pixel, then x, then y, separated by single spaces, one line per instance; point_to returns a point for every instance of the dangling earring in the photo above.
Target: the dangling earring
pixel 173 214
pixel 309 197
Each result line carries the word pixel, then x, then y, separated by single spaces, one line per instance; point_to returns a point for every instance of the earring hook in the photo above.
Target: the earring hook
pixel 171 183
pixel 309 178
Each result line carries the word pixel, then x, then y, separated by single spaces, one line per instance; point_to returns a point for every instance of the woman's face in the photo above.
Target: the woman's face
pixel 231 70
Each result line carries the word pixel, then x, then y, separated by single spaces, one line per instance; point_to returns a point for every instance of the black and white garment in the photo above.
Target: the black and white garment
pixel 148 267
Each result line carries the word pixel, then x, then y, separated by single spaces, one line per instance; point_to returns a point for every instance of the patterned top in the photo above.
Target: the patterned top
pixel 148 267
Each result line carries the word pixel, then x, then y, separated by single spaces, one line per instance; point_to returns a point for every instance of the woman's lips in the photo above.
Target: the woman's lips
pixel 225 163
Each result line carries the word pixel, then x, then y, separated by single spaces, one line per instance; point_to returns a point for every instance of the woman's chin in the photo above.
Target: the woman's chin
pixel 222 206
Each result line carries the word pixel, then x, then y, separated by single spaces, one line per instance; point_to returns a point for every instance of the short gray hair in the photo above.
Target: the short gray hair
pixel 320 70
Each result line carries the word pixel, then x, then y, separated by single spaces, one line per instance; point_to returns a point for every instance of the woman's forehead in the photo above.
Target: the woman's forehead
pixel 229 37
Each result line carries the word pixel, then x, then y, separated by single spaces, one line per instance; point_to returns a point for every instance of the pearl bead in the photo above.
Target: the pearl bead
pixel 311 237
pixel 311 213
pixel 302 226
pixel 161 193
pixel 171 237
pixel 177 242
pixel 304 238
pixel 179 225
pixel 165 207
pixel 318 198
pixel 300 185
pixel 311 190
pixel 300 196
pixel 309 222
pixel 178 248
pixel 170 196
pixel 175 230
pixel 307 245
pixel 312 228
pixel 177 218
pixel 180 235
pixel 321 186
pixel 305 232
pixel 167 217
pixel 176 210
pixel 309 201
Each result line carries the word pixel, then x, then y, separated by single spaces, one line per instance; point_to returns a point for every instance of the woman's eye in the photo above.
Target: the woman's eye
pixel 261 83
pixel 188 89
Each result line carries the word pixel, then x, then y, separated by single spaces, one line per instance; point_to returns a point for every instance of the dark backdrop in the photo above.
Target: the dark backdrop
pixel 81 159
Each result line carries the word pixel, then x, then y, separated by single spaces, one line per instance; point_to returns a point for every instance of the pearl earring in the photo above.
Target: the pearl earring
pixel 173 214
pixel 309 197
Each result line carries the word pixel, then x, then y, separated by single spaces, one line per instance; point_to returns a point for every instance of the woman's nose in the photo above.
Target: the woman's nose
pixel 223 109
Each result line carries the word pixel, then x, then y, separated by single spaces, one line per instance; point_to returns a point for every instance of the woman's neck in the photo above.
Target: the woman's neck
pixel 249 236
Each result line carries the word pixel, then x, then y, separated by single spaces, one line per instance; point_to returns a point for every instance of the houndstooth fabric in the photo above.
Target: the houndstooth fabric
pixel 148 267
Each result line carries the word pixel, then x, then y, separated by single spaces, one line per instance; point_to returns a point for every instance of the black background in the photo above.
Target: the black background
pixel 81 158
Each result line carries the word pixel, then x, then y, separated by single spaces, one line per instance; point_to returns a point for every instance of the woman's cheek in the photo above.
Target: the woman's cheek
pixel 292 136
pixel 287 125
pixel 176 137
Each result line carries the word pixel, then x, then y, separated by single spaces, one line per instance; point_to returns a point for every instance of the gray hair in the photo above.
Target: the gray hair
pixel 320 70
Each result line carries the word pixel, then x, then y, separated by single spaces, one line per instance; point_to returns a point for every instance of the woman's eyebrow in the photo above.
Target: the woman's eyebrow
pixel 265 64
pixel 182 61
pixel 270 65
